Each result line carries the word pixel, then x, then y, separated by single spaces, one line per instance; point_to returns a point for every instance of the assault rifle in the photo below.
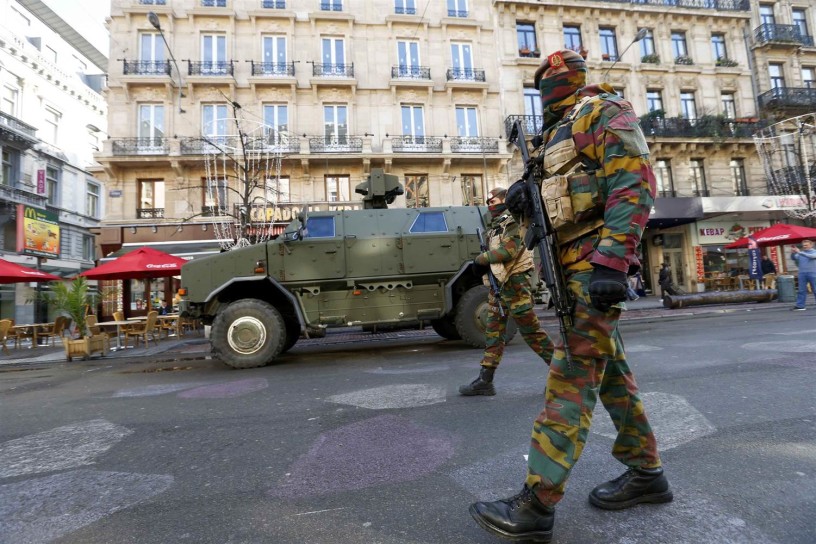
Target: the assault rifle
pixel 494 285
pixel 541 235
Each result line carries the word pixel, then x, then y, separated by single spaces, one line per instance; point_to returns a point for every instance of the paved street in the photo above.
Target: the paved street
pixel 350 441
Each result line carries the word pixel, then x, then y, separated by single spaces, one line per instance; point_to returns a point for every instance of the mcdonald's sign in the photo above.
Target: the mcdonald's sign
pixel 38 232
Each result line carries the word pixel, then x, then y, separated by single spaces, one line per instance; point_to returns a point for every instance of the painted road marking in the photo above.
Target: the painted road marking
pixel 226 390
pixel 641 348
pixel 62 448
pixel 393 396
pixel 787 346
pixel 49 507
pixel 413 370
pixel 153 390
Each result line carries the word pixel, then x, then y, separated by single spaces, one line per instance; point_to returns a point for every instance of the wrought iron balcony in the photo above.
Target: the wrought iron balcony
pixel 20 196
pixel 789 98
pixel 273 4
pixel 416 144
pixel 719 5
pixel 272 68
pixel 410 72
pixel 703 127
pixel 402 10
pixel 331 6
pixel 336 144
pixel 15 131
pixel 149 213
pixel 274 143
pixel 139 146
pixel 145 68
pixel 210 145
pixel 766 33
pixel 214 3
pixel 210 68
pixel 530 123
pixel 474 144
pixel 465 74
pixel 333 70
pixel 457 13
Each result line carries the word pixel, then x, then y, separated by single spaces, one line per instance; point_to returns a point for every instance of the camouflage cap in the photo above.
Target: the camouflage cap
pixel 565 59
pixel 497 192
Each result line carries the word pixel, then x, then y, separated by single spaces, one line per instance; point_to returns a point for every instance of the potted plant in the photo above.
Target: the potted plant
pixel 726 62
pixel 74 299
pixel 604 56
pixel 650 59
pixel 524 52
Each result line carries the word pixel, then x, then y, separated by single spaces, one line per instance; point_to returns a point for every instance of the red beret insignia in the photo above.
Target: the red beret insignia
pixel 555 60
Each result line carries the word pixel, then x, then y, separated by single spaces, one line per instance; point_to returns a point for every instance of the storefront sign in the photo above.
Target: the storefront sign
pixel 722 232
pixel 38 232
pixel 698 260
pixel 115 193
pixel 40 182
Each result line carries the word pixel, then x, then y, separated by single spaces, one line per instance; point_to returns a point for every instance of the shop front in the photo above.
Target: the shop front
pixel 718 268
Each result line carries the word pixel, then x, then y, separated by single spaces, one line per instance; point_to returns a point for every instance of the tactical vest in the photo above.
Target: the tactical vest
pixel 521 263
pixel 574 195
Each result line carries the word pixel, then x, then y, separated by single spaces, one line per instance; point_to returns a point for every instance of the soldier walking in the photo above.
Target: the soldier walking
pixel 511 263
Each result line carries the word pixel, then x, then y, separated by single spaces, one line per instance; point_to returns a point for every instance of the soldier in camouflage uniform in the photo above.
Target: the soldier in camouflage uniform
pixel 511 264
pixel 604 135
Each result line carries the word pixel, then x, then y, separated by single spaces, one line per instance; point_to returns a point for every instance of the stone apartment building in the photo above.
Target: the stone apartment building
pixel 52 120
pixel 428 91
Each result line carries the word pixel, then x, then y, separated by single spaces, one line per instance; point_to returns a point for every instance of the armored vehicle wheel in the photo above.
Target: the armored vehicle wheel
pixel 292 333
pixel 446 327
pixel 471 318
pixel 248 333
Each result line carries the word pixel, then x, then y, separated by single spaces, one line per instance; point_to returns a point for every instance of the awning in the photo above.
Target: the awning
pixel 185 250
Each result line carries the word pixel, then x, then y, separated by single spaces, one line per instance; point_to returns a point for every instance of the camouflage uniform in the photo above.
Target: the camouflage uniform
pixel 509 253
pixel 607 135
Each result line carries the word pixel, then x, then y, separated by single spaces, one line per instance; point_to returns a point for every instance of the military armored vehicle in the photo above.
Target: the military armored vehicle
pixel 363 267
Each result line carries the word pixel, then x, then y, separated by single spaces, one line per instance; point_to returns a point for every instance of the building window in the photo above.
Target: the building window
pixel 52 120
pixel 405 7
pixel 457 8
pixel 151 49
pixel 52 177
pixel 92 199
pixel 462 56
pixel 88 251
pixel 532 102
pixel 647 46
pixel 620 92
pixel 213 54
pixel 800 21
pixel 718 47
pixel 50 54
pixel 663 178
pixel 335 124
pixel 776 76
pixel 609 44
pixel 9 100
pixel 688 106
pixel 572 38
pixel 809 77
pixel 738 181
pixel 766 14
pixel 216 197
pixel 151 199
pixel 333 56
pixel 337 188
pixel 7 176
pixel 274 54
pixel 413 122
pixel 278 190
pixel 408 57
pixel 331 5
pixel 276 123
pixel 729 105
pixel 466 122
pixel 679 47
pixel 214 123
pixel 151 124
pixel 416 191
pixel 472 190
pixel 654 101
pixel 697 178
pixel 525 33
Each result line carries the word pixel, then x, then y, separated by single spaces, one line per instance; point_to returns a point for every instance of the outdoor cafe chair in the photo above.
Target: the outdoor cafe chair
pixel 91 321
pixel 61 324
pixel 5 327
pixel 144 330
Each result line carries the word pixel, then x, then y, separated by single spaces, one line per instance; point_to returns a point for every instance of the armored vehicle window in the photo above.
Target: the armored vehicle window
pixel 320 227
pixel 429 222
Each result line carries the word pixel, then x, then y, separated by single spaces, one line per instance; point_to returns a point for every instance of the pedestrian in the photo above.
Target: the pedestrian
pixel 767 266
pixel 511 264
pixel 599 132
pixel 806 262
pixel 163 309
pixel 664 280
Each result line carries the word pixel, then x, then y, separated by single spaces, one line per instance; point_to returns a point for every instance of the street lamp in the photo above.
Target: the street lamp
pixel 153 19
pixel 639 36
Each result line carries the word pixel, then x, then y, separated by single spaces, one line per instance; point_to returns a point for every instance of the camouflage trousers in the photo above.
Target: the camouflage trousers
pixel 517 302
pixel 597 367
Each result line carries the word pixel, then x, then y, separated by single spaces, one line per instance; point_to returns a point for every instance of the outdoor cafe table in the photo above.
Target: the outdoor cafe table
pixel 169 319
pixel 118 325
pixel 34 328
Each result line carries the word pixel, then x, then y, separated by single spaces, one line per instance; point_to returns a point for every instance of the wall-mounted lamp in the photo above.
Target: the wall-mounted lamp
pixel 204 228
pixel 154 228
pixel 133 230
pixel 153 19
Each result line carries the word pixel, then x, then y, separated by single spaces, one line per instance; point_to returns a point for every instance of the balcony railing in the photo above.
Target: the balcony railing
pixel 703 127
pixel 146 68
pixel 530 123
pixel 789 98
pixel 14 130
pixel 336 144
pixel 457 13
pixel 274 143
pixel 331 6
pixel 410 72
pixel 273 68
pixel 211 68
pixel 139 146
pixel 149 213
pixel 273 4
pixel 19 196
pixel 209 145
pixel 214 3
pixel 416 144
pixel 403 10
pixel 474 144
pixel 465 74
pixel 792 181
pixel 768 32
pixel 719 5
pixel 333 70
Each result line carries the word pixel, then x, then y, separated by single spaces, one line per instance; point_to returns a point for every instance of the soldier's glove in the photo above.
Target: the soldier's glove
pixel 517 200
pixel 479 270
pixel 481 260
pixel 606 287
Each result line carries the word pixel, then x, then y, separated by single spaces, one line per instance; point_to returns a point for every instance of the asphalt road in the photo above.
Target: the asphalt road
pixel 370 443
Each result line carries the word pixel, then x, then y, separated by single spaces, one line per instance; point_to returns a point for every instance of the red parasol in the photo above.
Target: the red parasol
pixel 15 273
pixel 141 263
pixel 777 235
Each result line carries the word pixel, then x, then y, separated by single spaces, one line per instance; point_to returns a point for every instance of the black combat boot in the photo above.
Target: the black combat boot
pixel 518 518
pixel 634 486
pixel 483 385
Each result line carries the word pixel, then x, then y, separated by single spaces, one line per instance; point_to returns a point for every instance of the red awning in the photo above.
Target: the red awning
pixel 17 273
pixel 141 263
pixel 776 235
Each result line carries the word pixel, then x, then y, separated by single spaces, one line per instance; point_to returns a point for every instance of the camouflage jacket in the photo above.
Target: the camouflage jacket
pixel 608 137
pixel 506 254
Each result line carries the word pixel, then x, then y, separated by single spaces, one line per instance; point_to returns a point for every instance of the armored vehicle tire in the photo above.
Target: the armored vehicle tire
pixel 292 333
pixel 248 333
pixel 446 327
pixel 471 318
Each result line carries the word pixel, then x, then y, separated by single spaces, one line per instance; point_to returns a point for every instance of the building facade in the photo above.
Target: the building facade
pixel 428 91
pixel 52 120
